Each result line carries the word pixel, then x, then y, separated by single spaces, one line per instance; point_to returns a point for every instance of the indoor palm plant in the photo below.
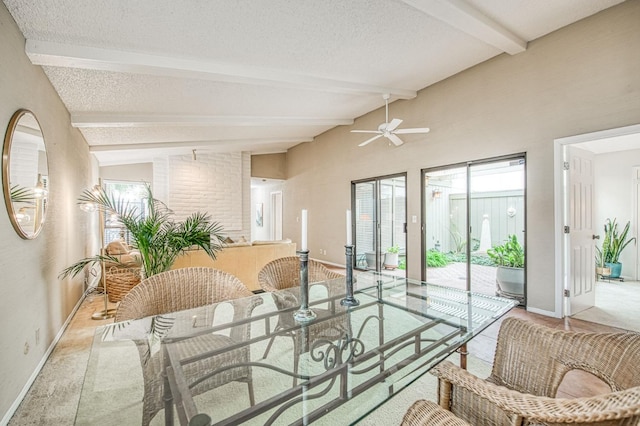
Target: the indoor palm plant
pixel 155 234
pixel 613 244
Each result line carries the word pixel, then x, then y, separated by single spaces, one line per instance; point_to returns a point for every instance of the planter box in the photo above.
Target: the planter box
pixel 510 282
pixel 390 260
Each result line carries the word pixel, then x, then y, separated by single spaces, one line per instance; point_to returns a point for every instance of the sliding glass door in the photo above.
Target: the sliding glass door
pixel 379 209
pixel 468 211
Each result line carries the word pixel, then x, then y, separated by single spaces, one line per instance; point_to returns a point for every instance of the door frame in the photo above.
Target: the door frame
pixel 561 211
pixel 376 181
pixel 467 165
pixel 275 211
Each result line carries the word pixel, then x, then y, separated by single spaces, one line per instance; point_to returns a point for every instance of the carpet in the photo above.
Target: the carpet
pixel 617 305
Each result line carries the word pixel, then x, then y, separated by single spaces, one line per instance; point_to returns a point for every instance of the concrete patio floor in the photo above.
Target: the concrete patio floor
pixel 483 278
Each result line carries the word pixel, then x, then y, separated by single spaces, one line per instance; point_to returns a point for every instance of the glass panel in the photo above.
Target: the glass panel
pixel 135 193
pixel 393 201
pixel 497 214
pixel 365 222
pixel 445 218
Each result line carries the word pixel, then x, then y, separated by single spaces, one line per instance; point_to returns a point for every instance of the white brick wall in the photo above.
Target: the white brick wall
pixel 161 179
pixel 216 183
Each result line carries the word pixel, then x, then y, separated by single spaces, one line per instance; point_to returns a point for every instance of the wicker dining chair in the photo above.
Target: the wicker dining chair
pixel 284 273
pixel 182 289
pixel 530 362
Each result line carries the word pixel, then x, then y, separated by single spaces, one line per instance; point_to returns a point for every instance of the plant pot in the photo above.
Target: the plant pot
pixel 603 271
pixel 371 259
pixel 390 260
pixel 510 282
pixel 616 269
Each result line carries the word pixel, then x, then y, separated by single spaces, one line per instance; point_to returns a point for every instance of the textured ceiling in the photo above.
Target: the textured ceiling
pixel 148 78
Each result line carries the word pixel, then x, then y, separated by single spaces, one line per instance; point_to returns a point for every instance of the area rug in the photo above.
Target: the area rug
pixel 617 305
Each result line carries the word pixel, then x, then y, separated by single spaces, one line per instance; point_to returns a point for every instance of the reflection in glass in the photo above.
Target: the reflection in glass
pixel 25 174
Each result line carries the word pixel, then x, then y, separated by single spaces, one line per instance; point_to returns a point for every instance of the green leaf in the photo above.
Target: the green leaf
pixel 154 231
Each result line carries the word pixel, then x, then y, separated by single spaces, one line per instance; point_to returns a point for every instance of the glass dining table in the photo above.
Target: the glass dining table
pixel 247 361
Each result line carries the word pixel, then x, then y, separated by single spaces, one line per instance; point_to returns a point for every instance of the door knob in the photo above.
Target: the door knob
pixel 595 237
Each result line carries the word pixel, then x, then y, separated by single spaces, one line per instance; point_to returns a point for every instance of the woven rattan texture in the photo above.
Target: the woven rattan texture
pixel 530 362
pixel 427 413
pixel 181 289
pixel 284 273
pixel 120 281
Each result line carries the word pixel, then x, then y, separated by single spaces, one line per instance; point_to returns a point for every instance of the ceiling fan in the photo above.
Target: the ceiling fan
pixel 389 129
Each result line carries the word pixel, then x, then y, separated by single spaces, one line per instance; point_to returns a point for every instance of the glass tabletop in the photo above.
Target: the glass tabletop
pixel 248 361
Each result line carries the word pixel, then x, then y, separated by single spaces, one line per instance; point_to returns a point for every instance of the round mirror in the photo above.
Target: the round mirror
pixel 25 174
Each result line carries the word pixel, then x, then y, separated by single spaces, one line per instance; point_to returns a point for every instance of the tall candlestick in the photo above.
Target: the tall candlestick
pixel 303 243
pixel 349 300
pixel 348 227
pixel 304 314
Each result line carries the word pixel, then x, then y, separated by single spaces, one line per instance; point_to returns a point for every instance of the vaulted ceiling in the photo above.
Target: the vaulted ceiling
pixel 149 78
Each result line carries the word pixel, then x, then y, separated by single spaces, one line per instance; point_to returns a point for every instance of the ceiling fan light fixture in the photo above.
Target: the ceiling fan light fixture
pixel 389 129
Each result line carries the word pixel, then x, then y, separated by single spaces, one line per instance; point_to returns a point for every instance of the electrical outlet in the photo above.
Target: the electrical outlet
pixel 37 336
pixel 26 348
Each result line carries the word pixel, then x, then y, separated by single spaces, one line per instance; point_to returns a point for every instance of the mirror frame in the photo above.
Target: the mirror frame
pixel 6 151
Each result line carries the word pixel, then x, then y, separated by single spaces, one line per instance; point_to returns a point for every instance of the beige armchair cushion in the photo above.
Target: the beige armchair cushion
pixel 117 247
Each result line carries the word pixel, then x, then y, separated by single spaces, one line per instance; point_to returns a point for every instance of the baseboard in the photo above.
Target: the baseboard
pixel 12 410
pixel 337 265
pixel 543 312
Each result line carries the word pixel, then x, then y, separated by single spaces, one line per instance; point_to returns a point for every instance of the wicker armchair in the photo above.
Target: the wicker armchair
pixel 181 289
pixel 530 362
pixel 284 273
pixel 427 413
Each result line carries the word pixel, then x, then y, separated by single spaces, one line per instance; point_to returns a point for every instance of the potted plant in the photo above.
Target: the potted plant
pixel 155 234
pixel 509 258
pixel 391 257
pixel 613 244
pixel 601 268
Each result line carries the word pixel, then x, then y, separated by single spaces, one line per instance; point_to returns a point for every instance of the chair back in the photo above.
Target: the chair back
pixel 284 273
pixel 180 289
pixel 532 358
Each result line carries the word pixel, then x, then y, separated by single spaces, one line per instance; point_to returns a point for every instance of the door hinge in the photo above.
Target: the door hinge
pixel 565 165
pixel 567 293
pixel 567 229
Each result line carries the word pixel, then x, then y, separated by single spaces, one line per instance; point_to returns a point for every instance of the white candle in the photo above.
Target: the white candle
pixel 303 244
pixel 348 227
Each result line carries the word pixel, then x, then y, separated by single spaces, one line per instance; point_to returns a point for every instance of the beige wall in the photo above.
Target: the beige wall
pixel 582 78
pixel 31 295
pixel 271 166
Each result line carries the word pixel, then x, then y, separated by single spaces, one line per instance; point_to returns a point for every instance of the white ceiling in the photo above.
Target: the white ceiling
pixel 149 78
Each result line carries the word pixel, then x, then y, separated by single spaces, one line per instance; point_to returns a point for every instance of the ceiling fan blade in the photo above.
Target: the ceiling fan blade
pixel 370 140
pixel 414 130
pixel 366 131
pixel 394 123
pixel 396 140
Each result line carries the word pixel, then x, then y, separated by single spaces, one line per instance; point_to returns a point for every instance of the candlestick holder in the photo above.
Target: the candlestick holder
pixel 304 314
pixel 349 300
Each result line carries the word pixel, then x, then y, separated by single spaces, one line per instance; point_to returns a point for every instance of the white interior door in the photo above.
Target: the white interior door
pixel 581 277
pixel 276 215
